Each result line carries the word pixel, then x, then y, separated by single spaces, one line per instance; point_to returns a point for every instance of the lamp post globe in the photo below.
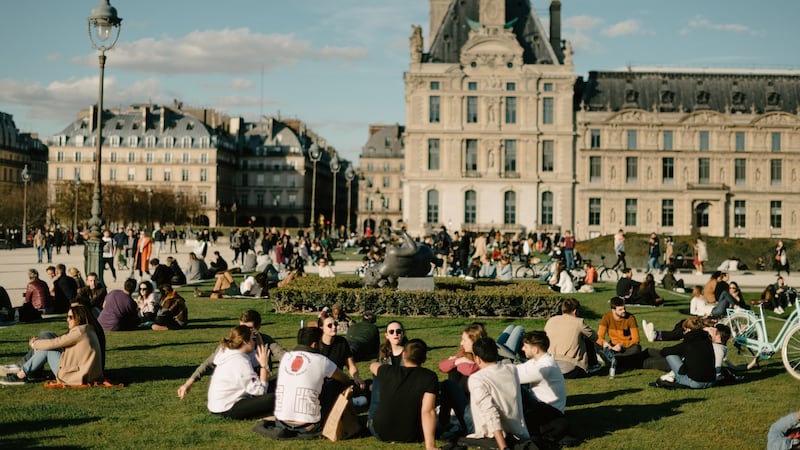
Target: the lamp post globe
pixel 349 175
pixel 103 25
pixel 26 178
pixel 334 165
pixel 314 154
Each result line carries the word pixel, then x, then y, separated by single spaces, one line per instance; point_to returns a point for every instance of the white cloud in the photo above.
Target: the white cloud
pixel 240 84
pixel 221 51
pixel 702 23
pixel 582 23
pixel 624 28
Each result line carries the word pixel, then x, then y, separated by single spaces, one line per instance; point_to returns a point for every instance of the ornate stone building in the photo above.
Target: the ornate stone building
pixel 489 139
pixel 688 151
pixel 381 163
pixel 18 150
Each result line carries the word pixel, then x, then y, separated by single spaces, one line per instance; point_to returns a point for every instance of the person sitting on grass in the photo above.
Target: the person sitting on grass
pixel 504 269
pixel 252 320
pixel 623 334
pixel 561 281
pixel 178 277
pixel 784 433
pixel 299 410
pixel 455 389
pixel 627 287
pixel 119 310
pixel 670 282
pixel 698 305
pixel 408 391
pixel 224 286
pixel 732 299
pixel 692 362
pixel 237 391
pixel 646 294
pixel 147 303
pixel 572 341
pixel 324 270
pixel 75 358
pixel 173 314
pixel 495 400
pixel 161 273
pixel 363 338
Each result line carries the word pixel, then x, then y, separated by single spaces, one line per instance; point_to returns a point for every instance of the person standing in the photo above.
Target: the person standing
pixel 781 261
pixel 567 243
pixel 700 255
pixel 39 243
pixel 669 252
pixel 108 253
pixel 653 253
pixel 172 236
pixel 619 250
pixel 144 247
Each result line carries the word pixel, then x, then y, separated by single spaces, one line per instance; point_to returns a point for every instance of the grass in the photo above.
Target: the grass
pixel 623 413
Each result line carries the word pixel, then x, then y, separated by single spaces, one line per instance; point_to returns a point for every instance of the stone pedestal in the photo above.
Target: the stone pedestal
pixel 415 284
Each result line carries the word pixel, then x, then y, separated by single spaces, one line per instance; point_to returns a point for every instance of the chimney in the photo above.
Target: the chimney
pixel 145 117
pixel 92 117
pixel 555 29
pixel 438 11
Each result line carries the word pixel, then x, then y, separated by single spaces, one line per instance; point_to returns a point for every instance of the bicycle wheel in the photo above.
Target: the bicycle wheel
pixel 743 325
pixel 525 272
pixel 609 275
pixel 790 353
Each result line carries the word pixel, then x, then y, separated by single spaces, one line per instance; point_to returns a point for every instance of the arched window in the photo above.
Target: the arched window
pixel 510 208
pixel 547 208
pixel 433 206
pixel 470 206
pixel 701 216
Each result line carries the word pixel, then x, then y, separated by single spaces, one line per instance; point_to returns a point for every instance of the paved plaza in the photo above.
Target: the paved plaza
pixel 14 265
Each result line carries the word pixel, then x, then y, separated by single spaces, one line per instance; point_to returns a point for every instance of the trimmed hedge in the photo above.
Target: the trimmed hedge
pixel 452 297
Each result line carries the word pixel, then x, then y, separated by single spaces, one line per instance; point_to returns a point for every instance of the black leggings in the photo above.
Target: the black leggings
pixel 252 407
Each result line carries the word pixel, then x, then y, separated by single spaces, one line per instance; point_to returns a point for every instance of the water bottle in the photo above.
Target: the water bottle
pixel 302 323
pixel 612 371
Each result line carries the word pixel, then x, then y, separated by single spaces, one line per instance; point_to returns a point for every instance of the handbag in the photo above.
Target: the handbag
pixel 342 422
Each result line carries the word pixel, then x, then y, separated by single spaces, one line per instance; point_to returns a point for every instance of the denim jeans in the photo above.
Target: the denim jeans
pixel 675 362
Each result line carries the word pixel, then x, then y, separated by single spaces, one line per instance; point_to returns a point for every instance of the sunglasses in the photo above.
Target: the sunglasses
pixel 330 325
pixel 70 316
pixel 397 331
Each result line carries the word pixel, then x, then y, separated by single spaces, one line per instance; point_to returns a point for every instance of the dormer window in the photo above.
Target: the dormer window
pixel 703 97
pixel 773 99
pixel 189 126
pixel 118 126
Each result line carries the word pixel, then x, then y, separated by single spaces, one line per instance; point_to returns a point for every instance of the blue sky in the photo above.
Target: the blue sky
pixel 337 64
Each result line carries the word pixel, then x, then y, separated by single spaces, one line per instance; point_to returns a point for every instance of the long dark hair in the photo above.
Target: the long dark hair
pixel 386 347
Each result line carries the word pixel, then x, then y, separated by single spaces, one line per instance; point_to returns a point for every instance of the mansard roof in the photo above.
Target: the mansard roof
pixel 274 135
pixel 140 120
pixel 385 141
pixel 672 90
pixel 454 32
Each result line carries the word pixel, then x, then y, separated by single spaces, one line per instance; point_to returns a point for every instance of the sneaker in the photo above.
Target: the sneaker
pixel 649 330
pixel 12 380
pixel 595 368
pixel 778 310
pixel 669 377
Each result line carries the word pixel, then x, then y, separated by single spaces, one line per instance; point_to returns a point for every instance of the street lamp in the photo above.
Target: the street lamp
pixel 334 166
pixel 177 200
pixel 76 184
pixel 149 207
pixel 26 177
pixel 233 210
pixel 314 154
pixel 102 23
pixel 349 175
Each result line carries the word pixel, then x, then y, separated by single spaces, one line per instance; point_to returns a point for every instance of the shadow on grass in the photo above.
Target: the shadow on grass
pixel 155 346
pixel 601 420
pixel 33 443
pixel 26 428
pixel 590 399
pixel 149 373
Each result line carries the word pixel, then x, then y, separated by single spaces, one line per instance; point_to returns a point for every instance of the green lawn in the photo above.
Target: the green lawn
pixel 623 413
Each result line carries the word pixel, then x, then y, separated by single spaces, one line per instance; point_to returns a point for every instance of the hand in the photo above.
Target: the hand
pixel 262 355
pixel 359 382
pixel 184 389
pixel 617 348
pixel 31 341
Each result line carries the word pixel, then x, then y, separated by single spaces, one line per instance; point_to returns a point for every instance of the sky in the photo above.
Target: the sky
pixel 338 64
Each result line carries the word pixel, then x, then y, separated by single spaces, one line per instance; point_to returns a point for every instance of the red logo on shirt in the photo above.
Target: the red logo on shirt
pixel 297 363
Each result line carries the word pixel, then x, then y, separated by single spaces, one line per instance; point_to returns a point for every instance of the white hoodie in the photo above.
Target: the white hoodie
pixel 233 380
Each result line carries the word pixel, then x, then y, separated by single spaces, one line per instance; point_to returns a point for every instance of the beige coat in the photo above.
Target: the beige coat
pixel 567 335
pixel 81 360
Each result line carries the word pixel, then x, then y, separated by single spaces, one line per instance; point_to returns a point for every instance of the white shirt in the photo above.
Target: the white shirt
pixel 545 380
pixel 496 402
pixel 326 272
pixel 700 307
pixel 300 379
pixel 233 380
pixel 565 283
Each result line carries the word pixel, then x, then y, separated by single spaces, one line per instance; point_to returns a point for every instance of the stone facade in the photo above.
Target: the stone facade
pixel 381 167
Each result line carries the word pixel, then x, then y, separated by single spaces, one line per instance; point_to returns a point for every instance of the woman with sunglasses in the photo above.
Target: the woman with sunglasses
pixel 733 299
pixel 75 358
pixel 147 303
pixel 236 390
pixel 390 353
pixel 337 349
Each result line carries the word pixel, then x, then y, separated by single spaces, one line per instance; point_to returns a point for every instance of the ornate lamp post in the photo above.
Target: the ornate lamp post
pixel 334 166
pixel 149 207
pixel 349 175
pixel 233 210
pixel 26 177
pixel 177 200
pixel 102 23
pixel 76 185
pixel 314 154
